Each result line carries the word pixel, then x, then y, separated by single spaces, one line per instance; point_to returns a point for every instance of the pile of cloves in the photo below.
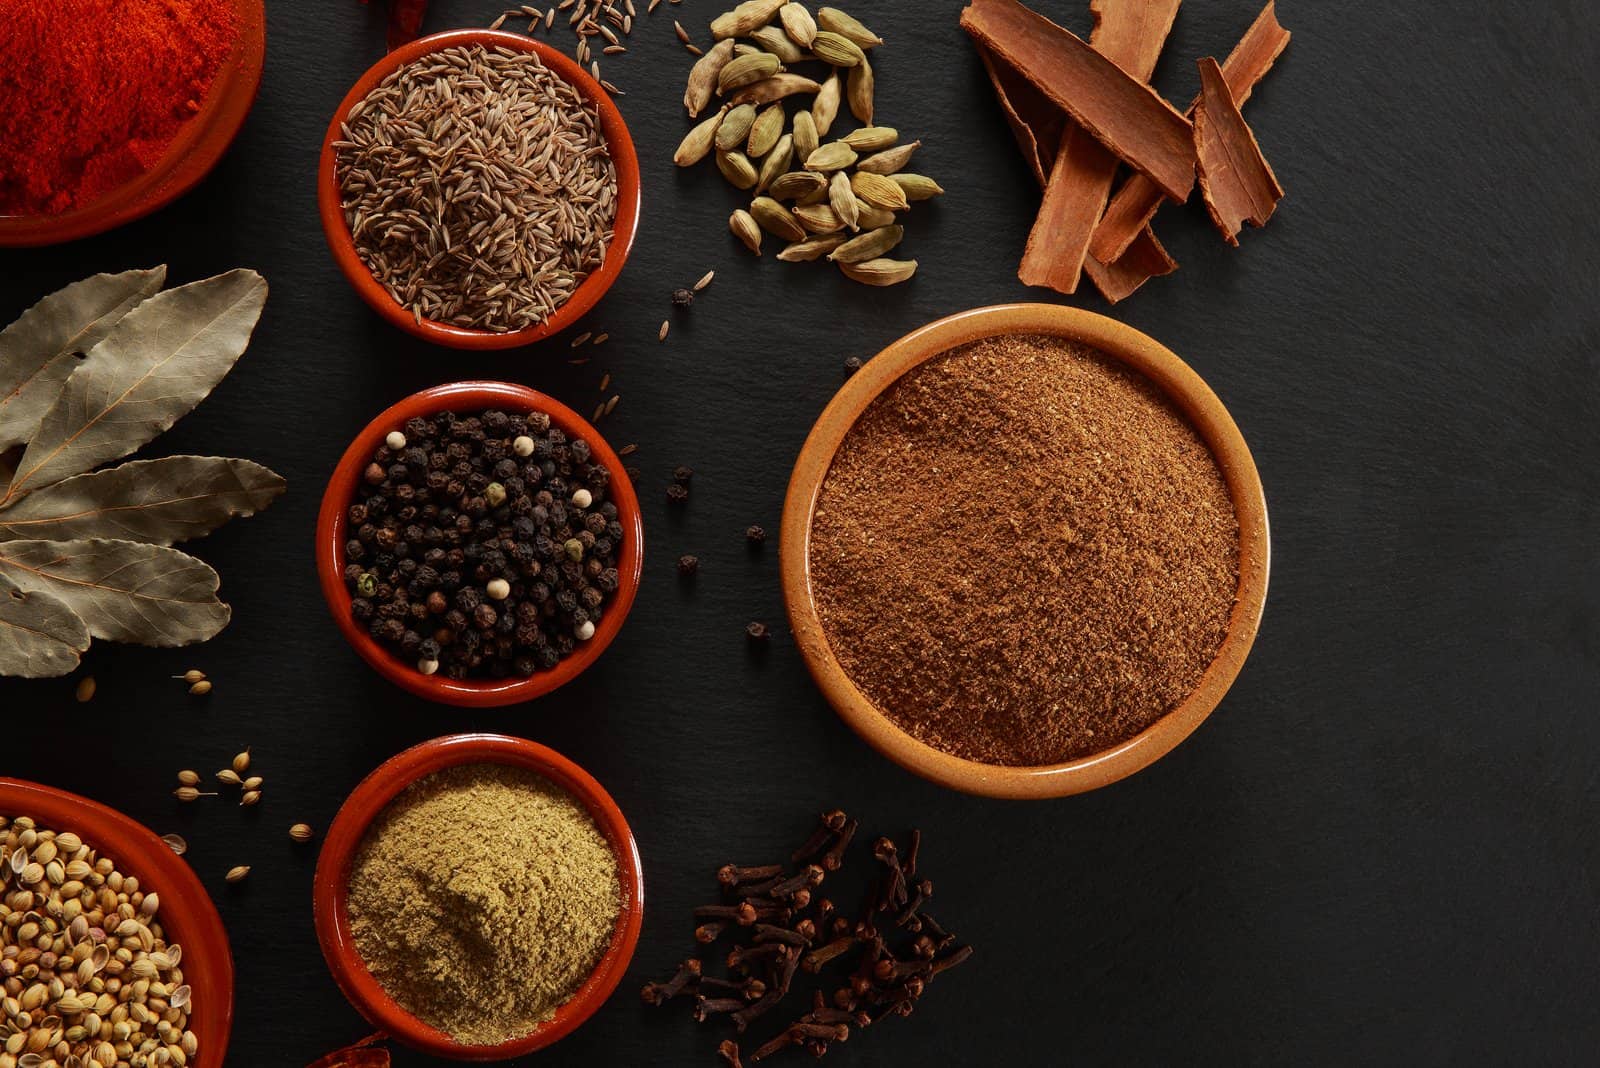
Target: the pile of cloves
pixel 781 924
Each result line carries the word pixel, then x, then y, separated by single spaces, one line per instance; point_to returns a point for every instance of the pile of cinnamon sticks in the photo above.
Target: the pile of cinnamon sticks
pixel 1084 110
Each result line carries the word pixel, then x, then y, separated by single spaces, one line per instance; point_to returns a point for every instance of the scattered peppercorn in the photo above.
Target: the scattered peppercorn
pixel 755 534
pixel 688 565
pixel 682 474
pixel 677 493
pixel 486 547
pixel 758 633
pixel 852 364
pixel 682 298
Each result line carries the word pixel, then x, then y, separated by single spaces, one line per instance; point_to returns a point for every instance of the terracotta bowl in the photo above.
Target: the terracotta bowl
pixel 190 157
pixel 590 290
pixel 187 915
pixel 1191 396
pixel 331 536
pixel 362 807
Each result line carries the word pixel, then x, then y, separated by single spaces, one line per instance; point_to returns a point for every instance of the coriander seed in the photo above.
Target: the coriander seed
pixel 176 843
pixel 236 874
pixel 301 832
pixel 249 797
pixel 189 793
pixel 192 676
pixel 188 778
pixel 253 782
pixel 229 777
pixel 201 688
pixel 241 762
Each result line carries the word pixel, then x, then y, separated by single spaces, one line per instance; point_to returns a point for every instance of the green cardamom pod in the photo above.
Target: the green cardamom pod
pixel 818 218
pixel 797 23
pixel 880 272
pixel 742 20
pixel 868 246
pixel 805 135
pixel 811 248
pixel 834 156
pixel 747 70
pixel 842 199
pixel 858 90
pixel 879 191
pixel 775 220
pixel 776 162
pixel 743 226
pixel 797 184
pixel 825 108
pixel 836 21
pixel 775 40
pixel 698 141
pixel 737 169
pixel 871 138
pixel 836 49
pixel 917 186
pixel 735 125
pixel 889 160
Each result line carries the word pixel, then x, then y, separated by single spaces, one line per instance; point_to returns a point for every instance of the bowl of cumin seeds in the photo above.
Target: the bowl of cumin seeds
pixel 1025 551
pixel 479 189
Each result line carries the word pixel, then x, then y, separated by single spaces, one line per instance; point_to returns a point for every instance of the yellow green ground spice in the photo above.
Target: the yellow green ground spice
pixel 481 899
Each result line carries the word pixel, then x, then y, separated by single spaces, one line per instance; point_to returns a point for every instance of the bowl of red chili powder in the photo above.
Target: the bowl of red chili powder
pixel 1025 551
pixel 111 109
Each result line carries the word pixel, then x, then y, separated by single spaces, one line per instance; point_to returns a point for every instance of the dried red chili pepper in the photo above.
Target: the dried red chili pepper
pixel 405 20
pixel 363 1054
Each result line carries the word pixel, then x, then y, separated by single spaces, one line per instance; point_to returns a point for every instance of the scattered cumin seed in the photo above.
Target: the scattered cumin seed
pixel 611 404
pixel 651 10
pixel 705 280
pixel 601 338
pixel 628 449
pixel 683 34
pixel 599 410
pixel 497 23
pixel 605 381
pixel 579 362
pixel 581 338
pixel 693 51
pixel 613 90
pixel 666 324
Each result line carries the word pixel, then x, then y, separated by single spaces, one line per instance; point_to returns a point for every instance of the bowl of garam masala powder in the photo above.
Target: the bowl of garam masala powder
pixel 479 189
pixel 1025 551
pixel 478 897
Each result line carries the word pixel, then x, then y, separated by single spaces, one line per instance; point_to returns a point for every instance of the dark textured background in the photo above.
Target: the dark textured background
pixel 1381 848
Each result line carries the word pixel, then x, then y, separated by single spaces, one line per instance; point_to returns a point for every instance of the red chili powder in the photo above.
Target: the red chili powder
pixel 1023 553
pixel 92 92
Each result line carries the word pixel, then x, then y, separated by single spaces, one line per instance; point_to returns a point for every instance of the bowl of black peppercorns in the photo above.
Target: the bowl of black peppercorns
pixel 479 544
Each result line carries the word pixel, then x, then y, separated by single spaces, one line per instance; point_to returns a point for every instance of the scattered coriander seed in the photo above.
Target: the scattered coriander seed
pixel 705 280
pixel 584 631
pixel 249 797
pixel 428 667
pixel 677 493
pixel 189 793
pixel 573 548
pixel 522 445
pixel 495 494
pixel 852 364
pixel 188 778
pixel 499 589
pixel 191 676
pixel 253 782
pixel 237 873
pixel 241 762
pixel 176 843
pixel 688 565
pixel 229 777
pixel 682 298
pixel 755 534
pixel 395 440
pixel 583 498
pixel 200 689
pixel 757 632
pixel 301 832
pixel 85 689
pixel 666 324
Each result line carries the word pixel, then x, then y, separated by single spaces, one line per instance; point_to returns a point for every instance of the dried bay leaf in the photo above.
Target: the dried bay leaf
pixel 158 362
pixel 160 501
pixel 40 637
pixel 123 590
pixel 37 352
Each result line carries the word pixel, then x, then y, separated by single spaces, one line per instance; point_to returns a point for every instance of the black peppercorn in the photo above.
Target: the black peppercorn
pixel 682 298
pixel 688 565
pixel 852 364
pixel 677 493
pixel 757 633
pixel 681 475
pixel 755 534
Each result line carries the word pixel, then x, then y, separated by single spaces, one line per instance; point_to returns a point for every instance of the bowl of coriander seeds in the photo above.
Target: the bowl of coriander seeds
pixel 111 952
pixel 479 189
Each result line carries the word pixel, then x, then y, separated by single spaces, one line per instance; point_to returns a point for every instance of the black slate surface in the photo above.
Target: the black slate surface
pixel 1380 849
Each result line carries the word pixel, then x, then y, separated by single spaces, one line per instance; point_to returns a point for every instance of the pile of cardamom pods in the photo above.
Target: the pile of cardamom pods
pixel 843 194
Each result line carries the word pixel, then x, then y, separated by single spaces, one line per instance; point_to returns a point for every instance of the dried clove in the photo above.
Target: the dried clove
pixel 814 961
pixel 704 1007
pixel 834 857
pixel 731 875
pixel 658 993
pixel 728 1050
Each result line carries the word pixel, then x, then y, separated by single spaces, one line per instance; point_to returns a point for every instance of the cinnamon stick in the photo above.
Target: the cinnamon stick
pixel 1035 122
pixel 1122 113
pixel 1130 33
pixel 1143 260
pixel 1236 181
pixel 1135 204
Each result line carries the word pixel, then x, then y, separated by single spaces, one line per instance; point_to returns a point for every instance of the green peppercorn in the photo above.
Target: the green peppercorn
pixel 573 548
pixel 495 494
pixel 367 584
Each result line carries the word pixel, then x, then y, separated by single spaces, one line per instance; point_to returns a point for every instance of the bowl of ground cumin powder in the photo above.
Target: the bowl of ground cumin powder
pixel 478 897
pixel 1025 551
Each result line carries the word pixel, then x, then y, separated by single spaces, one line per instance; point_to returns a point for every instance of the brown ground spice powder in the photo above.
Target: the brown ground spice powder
pixel 1023 553
pixel 481 898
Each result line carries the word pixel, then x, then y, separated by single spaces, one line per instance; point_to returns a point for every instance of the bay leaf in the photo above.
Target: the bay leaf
pixel 126 591
pixel 40 637
pixel 160 501
pixel 157 363
pixel 40 349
